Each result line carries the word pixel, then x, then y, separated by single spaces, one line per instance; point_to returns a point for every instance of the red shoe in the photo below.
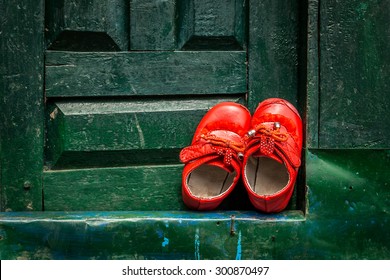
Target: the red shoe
pixel 212 162
pixel 273 155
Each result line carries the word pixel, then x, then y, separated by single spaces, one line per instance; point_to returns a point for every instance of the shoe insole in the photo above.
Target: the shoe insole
pixel 266 176
pixel 209 180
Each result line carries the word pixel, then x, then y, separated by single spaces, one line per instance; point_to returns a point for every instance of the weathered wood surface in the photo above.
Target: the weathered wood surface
pixel 95 25
pixel 137 187
pixel 277 59
pixel 345 193
pixel 311 106
pixel 208 24
pixel 151 235
pixel 153 25
pixel 133 132
pixel 144 73
pixel 346 218
pixel 21 105
pixel 354 67
pixel 274 39
pixel 142 187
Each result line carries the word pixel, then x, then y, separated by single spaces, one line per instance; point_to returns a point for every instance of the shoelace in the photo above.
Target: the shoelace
pixel 267 137
pixel 225 148
pixel 272 133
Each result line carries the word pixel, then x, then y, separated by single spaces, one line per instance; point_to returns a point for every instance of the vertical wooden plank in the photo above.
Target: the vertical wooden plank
pixel 355 74
pixel 241 23
pixel 277 60
pixel 153 25
pixel 273 54
pixel 21 104
pixel 312 84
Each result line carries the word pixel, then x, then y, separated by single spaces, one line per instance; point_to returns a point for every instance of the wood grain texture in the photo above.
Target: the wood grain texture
pixel 21 105
pixel 153 25
pixel 357 206
pixel 208 25
pixel 123 132
pixel 355 74
pixel 152 235
pixel 87 25
pixel 144 187
pixel 312 76
pixel 273 51
pixel 144 73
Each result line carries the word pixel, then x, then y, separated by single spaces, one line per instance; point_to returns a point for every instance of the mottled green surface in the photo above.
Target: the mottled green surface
pixel 144 235
pixel 21 105
pixel 87 134
pixel 275 62
pixel 70 74
pixel 348 203
pixel 311 104
pixel 114 188
pixel 354 66
pixel 347 217
pixel 212 25
pixel 99 25
pixel 153 25
pixel 118 129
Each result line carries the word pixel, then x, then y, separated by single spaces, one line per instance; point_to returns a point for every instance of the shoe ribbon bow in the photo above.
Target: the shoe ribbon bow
pixel 211 144
pixel 266 138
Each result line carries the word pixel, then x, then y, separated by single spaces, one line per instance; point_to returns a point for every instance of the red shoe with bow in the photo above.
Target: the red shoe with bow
pixel 213 161
pixel 273 155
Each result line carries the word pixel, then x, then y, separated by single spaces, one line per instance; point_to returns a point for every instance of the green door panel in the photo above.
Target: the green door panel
pixel 108 133
pixel 130 111
pixel 354 65
pixel 125 152
pixel 123 25
pixel 153 25
pixel 21 105
pixel 142 187
pixel 215 25
pixel 124 86
pixel 126 83
pixel 99 97
pixel 277 33
pixel 94 25
pixel 86 74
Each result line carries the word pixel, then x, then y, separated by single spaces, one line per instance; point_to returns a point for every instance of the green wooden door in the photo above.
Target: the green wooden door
pixel 100 96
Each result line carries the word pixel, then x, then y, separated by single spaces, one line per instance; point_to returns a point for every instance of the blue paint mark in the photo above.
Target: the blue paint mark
pixel 160 233
pixel 165 242
pixel 197 245
pixel 238 255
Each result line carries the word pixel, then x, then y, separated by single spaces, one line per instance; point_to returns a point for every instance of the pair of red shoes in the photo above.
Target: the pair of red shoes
pixel 228 143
